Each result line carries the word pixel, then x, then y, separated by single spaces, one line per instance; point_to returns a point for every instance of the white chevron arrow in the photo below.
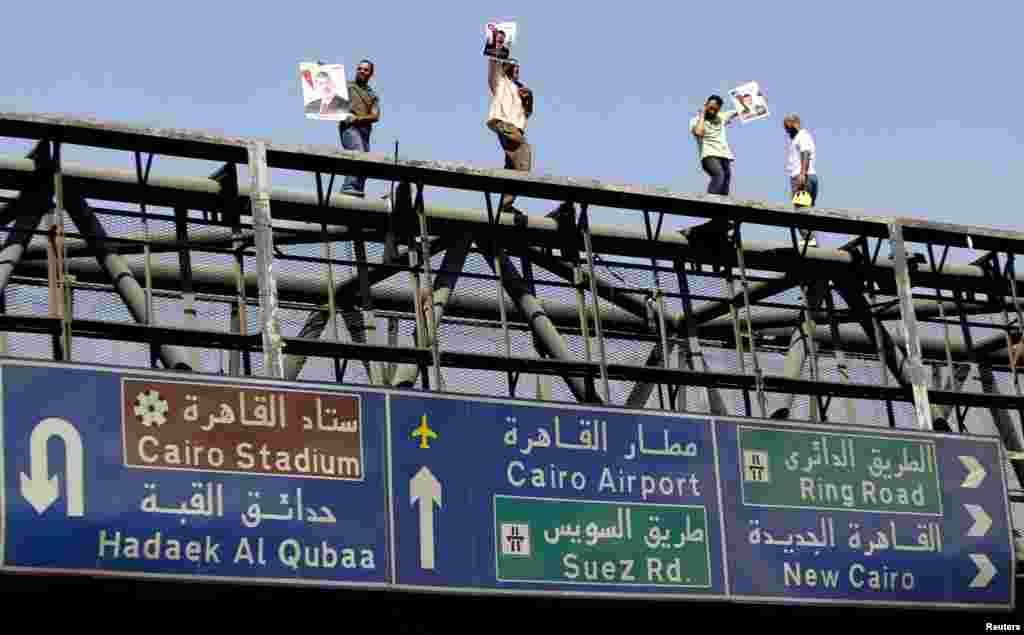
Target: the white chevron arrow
pixel 982 521
pixel 975 472
pixel 985 571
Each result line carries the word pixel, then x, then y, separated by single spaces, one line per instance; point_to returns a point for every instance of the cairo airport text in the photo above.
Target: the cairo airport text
pixel 246 456
pixel 293 554
pixel 548 476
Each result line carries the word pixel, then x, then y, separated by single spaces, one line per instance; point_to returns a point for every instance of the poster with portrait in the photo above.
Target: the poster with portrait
pixel 324 91
pixel 499 37
pixel 750 102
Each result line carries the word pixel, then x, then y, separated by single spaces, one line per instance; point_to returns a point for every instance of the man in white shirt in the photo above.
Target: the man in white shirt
pixel 511 106
pixel 801 157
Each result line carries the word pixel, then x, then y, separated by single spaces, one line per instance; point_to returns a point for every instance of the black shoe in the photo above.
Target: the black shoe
pixel 711 232
pixel 518 216
pixel 560 211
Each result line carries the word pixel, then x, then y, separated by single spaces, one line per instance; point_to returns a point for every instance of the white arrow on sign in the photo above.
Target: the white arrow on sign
pixel 986 571
pixel 982 521
pixel 41 490
pixel 975 472
pixel 425 488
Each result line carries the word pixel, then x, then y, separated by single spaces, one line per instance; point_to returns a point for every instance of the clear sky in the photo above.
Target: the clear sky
pixel 911 103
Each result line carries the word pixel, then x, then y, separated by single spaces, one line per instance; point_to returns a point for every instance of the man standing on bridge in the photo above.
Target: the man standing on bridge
pixel 713 150
pixel 800 166
pixel 511 106
pixel 364 104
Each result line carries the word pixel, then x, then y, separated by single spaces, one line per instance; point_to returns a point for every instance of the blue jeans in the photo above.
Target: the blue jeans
pixel 355 138
pixel 720 171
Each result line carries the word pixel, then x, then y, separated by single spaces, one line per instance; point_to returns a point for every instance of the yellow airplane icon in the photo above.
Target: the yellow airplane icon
pixel 424 432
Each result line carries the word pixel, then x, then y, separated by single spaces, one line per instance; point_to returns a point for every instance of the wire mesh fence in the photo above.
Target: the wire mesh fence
pixel 221 294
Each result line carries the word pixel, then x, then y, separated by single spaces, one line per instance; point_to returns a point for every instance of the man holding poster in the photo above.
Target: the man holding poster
pixel 364 105
pixel 713 150
pixel 511 106
pixel 356 107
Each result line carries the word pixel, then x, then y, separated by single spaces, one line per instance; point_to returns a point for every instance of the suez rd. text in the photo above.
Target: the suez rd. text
pixel 650 570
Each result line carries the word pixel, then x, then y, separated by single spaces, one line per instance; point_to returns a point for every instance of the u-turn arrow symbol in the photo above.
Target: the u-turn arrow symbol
pixel 39 488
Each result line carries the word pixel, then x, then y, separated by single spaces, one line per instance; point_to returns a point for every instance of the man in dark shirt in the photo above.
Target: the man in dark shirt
pixel 364 104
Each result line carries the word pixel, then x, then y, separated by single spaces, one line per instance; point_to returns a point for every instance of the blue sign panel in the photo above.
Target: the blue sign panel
pixel 170 474
pixel 151 475
pixel 829 513
pixel 507 496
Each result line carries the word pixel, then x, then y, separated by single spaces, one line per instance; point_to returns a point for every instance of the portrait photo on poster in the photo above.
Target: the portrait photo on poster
pixel 324 91
pixel 499 37
pixel 750 102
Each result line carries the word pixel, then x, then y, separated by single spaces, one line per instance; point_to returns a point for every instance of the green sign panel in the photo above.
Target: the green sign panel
pixel 829 471
pixel 588 542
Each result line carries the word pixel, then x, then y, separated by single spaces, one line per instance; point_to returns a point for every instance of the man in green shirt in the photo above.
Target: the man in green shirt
pixel 364 106
pixel 713 150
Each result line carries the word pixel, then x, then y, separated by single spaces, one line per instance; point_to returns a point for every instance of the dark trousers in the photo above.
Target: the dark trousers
pixel 720 171
pixel 518 152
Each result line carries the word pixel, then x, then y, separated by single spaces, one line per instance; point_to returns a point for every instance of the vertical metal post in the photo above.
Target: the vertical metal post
pixel 737 335
pixel 259 174
pixel 837 345
pixel 57 260
pixel 585 226
pixel 143 178
pixel 659 303
pixel 500 281
pixel 367 317
pixel 758 377
pixel 188 295
pixel 812 302
pixel 942 311
pixel 433 328
pixel 3 310
pixel 658 296
pixel 238 361
pixel 972 356
pixel 876 326
pixel 692 349
pixel 908 322
pixel 581 308
pixel 1011 274
pixel 323 199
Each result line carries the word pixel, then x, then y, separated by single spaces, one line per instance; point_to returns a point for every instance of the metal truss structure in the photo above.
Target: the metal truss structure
pixel 626 314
